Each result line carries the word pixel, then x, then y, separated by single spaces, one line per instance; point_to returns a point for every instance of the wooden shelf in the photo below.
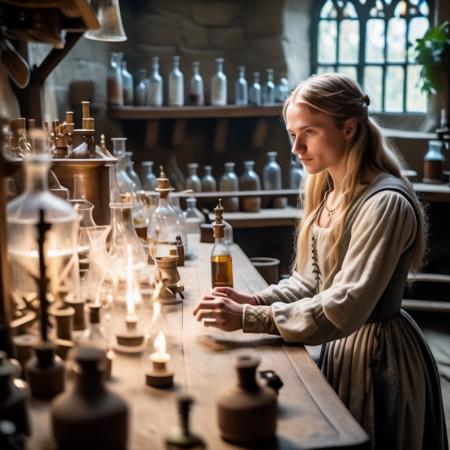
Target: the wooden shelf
pixel 439 193
pixel 220 194
pixel 193 112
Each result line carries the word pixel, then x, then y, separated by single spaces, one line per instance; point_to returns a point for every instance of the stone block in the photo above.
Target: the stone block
pixel 171 8
pixel 227 38
pixel 157 30
pixel 193 35
pixel 217 12
pixel 264 18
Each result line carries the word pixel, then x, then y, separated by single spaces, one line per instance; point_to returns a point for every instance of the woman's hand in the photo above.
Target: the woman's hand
pixel 238 297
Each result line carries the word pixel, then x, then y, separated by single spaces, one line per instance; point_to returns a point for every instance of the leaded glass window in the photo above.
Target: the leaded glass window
pixel 372 41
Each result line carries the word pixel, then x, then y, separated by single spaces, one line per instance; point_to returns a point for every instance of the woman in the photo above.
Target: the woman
pixel 362 231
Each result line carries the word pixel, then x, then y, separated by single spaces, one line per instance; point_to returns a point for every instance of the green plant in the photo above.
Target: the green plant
pixel 433 53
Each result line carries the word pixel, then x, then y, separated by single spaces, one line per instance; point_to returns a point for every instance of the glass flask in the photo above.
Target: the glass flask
pixel 114 81
pixel 94 335
pixel 433 162
pixel 134 177
pixel 219 85
pixel 196 93
pixel 141 88
pixel 296 175
pixel 176 84
pixel 208 181
pixel 230 182
pixel 148 177
pixel 193 181
pixel 174 201
pixel 124 183
pixel 193 219
pixel 282 90
pixel 249 181
pixel 155 85
pixel 254 91
pixel 271 172
pixel 61 240
pixel 241 88
pixel 141 216
pixel 128 85
pixel 268 90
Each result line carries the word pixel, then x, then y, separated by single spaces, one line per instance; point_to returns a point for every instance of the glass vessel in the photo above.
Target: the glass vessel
pixel 271 172
pixel 241 88
pixel 141 88
pixel 268 90
pixel 174 172
pixel 219 85
pixel 249 181
pixel 254 91
pixel 114 82
pixel 141 215
pixel 433 162
pixel 230 182
pixel 174 201
pixel 196 93
pixel 125 184
pixel 61 240
pixel 193 181
pixel 176 84
pixel 193 219
pixel 208 181
pixel 155 85
pixel 18 144
pixel 296 175
pixel 134 177
pixel 94 335
pixel 128 85
pixel 282 90
pixel 148 177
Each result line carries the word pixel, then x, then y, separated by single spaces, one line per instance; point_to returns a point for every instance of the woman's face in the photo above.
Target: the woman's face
pixel 316 140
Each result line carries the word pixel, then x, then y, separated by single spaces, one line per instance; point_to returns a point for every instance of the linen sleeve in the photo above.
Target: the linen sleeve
pixel 386 225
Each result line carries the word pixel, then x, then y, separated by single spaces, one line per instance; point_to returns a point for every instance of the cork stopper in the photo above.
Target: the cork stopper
pixel 163 183
pixel 218 211
pixel 85 106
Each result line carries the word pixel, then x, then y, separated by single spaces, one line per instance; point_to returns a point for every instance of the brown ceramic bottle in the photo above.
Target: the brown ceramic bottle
pixel 247 412
pixel 89 415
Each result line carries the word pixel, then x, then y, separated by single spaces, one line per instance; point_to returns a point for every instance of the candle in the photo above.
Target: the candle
pixel 160 375
pixel 160 356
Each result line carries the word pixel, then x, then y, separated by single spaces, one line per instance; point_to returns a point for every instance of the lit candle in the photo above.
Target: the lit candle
pixel 160 375
pixel 160 357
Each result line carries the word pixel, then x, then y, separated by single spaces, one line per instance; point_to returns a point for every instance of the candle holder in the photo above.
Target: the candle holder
pixel 160 374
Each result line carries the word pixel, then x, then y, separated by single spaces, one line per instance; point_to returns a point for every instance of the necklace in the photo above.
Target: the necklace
pixel 330 211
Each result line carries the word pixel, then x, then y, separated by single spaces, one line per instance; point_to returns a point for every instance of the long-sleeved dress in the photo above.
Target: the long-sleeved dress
pixel 373 355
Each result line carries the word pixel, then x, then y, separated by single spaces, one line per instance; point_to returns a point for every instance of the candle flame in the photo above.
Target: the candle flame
pixel 160 343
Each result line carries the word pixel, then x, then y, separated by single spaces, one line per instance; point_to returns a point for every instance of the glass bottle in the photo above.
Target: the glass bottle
pixel 433 162
pixel 141 215
pixel 241 88
pixel 176 84
pixel 174 172
pixel 296 175
pixel 282 90
pixel 148 177
pixel 174 201
pixel 128 86
pixel 141 88
pixel 249 181
pixel 254 92
pixel 124 183
pixel 95 335
pixel 155 85
pixel 208 181
pixel 193 219
pixel 134 177
pixel 271 172
pixel 114 82
pixel 193 181
pixel 230 182
pixel 219 85
pixel 19 144
pixel 196 94
pixel 268 90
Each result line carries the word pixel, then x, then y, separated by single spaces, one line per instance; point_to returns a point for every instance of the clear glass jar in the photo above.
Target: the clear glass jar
pixel 208 181
pixel 268 90
pixel 241 88
pixel 193 181
pixel 249 181
pixel 134 177
pixel 282 90
pixel 148 177
pixel 128 85
pixel 193 218
pixel 155 85
pixel 114 82
pixel 219 85
pixel 271 172
pixel 176 84
pixel 230 182
pixel 196 93
pixel 296 175
pixel 141 88
pixel 124 183
pixel 254 92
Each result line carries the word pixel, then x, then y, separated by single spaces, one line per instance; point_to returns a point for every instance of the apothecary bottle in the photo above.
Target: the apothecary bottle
pixel 155 85
pixel 114 82
pixel 272 172
pixel 196 92
pixel 268 90
pixel 230 182
pixel 193 181
pixel 254 92
pixel 433 162
pixel 296 175
pixel 128 85
pixel 193 219
pixel 134 177
pixel 282 90
pixel 176 84
pixel 208 181
pixel 221 261
pixel 249 181
pixel 141 88
pixel 219 85
pixel 241 88
pixel 148 177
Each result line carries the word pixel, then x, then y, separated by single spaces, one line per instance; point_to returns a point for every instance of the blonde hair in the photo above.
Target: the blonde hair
pixel 342 98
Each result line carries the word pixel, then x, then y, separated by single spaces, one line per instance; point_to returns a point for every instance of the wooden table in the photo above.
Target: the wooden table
pixel 311 415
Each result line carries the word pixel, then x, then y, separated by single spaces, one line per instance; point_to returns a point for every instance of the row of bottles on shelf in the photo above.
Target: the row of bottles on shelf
pixel 148 91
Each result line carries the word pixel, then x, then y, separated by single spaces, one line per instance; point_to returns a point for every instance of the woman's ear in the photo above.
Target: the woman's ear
pixel 350 127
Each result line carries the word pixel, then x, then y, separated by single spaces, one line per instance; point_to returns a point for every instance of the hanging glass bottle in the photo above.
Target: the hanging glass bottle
pixel 148 177
pixel 271 172
pixel 141 88
pixel 155 85
pixel 219 85
pixel 193 219
pixel 134 177
pixel 128 86
pixel 193 181
pixel 296 175
pixel 254 92
pixel 282 90
pixel 176 84
pixel 241 88
pixel 208 181
pixel 196 94
pixel 124 183
pixel 230 182
pixel 114 86
pixel 249 181
pixel 268 90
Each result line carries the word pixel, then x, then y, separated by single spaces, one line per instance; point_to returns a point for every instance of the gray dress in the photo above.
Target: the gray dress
pixel 374 355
